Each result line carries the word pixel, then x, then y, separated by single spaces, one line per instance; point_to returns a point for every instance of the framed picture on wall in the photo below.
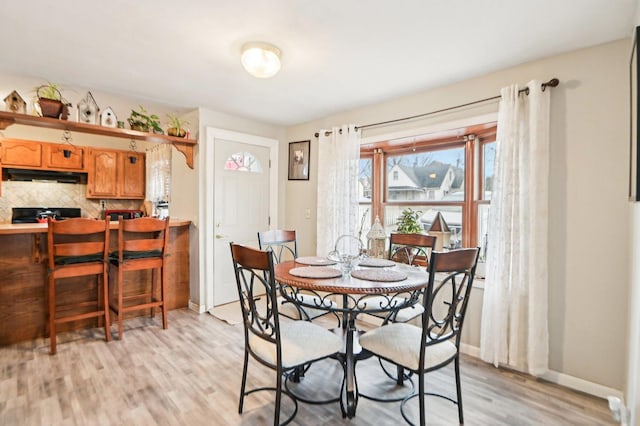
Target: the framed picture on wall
pixel 299 160
pixel 634 122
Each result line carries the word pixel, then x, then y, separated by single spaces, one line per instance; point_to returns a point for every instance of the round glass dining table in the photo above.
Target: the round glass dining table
pixel 386 287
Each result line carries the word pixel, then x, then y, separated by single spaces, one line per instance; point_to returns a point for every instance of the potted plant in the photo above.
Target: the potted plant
pixel 409 222
pixel 50 100
pixel 176 126
pixel 143 121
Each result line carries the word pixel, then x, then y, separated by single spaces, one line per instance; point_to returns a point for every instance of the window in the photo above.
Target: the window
pixel 243 162
pixel 448 176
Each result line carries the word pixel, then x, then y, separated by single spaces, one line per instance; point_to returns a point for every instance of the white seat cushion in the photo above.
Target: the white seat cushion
pixel 302 341
pixel 289 309
pixel 400 343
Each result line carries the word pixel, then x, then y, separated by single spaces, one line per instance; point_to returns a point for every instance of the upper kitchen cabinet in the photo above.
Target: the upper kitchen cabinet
pixel 21 153
pixel 27 154
pixel 63 157
pixel 116 174
pixel 131 179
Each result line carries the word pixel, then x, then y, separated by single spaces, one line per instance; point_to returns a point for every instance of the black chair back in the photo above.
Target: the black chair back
pixel 282 243
pixel 412 249
pixel 447 295
pixel 255 279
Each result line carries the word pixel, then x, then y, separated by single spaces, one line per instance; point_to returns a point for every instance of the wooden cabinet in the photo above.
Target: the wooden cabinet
pixel 20 153
pixel 116 174
pixel 63 157
pixel 131 179
pixel 102 181
pixel 28 154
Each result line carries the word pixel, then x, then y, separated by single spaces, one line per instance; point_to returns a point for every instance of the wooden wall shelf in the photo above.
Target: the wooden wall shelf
pixel 185 146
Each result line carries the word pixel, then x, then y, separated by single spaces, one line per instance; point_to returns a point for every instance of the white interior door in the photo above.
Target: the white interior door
pixel 241 206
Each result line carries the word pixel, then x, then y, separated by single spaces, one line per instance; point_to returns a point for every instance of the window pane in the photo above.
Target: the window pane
pixel 489 159
pixel 430 175
pixel 365 179
pixel 243 162
pixel 483 221
pixel 452 216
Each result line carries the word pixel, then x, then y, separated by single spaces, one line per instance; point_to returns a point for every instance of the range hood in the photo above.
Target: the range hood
pixel 44 175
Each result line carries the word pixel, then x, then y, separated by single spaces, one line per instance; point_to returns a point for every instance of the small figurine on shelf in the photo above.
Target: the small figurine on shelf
pixel 14 103
pixel 88 110
pixel 108 118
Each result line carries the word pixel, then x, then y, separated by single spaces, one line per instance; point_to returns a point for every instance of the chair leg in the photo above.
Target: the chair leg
pixel 163 294
pixel 105 303
pixel 52 316
pixel 120 302
pixel 244 380
pixel 421 398
pixel 154 289
pixel 458 389
pixel 276 416
pixel 400 375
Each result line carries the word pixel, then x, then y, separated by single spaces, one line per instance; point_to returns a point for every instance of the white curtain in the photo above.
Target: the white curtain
pixel 338 155
pixel 159 173
pixel 514 327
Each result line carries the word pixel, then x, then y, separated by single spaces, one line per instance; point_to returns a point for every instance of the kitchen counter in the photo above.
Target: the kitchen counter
pixel 38 228
pixel 23 280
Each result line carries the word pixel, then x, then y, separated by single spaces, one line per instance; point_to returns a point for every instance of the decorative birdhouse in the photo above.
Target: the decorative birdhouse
pixel 441 231
pixel 108 118
pixel 14 103
pixel 88 110
pixel 376 240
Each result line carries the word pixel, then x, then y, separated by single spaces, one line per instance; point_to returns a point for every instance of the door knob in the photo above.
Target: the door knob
pixel 219 236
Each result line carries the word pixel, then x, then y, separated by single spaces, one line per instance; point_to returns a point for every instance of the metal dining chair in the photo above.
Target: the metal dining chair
pixel 284 246
pixel 284 347
pixel 412 249
pixel 437 342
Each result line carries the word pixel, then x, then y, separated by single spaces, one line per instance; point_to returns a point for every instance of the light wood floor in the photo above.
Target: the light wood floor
pixel 190 375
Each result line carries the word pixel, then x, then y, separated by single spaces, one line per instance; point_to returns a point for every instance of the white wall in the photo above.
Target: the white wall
pixel 589 238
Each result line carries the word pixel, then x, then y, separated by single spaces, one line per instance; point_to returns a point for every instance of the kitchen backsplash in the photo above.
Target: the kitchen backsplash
pixel 54 194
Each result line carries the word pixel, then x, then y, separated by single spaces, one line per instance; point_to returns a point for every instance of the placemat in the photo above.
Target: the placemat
pixel 376 263
pixel 379 275
pixel 315 272
pixel 314 261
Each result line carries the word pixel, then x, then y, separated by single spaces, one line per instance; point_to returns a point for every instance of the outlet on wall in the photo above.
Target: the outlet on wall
pixel 307 214
pixel 103 204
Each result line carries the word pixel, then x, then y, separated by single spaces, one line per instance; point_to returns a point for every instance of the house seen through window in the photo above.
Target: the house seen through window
pixel 450 174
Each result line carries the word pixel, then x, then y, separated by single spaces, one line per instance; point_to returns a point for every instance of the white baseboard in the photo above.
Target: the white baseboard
pixel 561 379
pixel 582 385
pixel 197 308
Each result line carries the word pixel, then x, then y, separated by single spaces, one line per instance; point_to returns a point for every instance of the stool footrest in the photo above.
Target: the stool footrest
pixel 79 317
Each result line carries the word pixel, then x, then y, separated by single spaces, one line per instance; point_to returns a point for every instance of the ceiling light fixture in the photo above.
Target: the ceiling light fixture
pixel 260 59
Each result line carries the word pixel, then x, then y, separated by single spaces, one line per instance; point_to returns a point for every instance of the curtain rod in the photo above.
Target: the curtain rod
pixel 551 83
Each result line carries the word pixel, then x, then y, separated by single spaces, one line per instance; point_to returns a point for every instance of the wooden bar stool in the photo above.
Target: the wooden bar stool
pixel 77 247
pixel 142 244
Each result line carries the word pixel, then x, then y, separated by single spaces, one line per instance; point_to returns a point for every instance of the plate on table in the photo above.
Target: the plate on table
pixel 315 272
pixel 314 261
pixel 386 275
pixel 376 263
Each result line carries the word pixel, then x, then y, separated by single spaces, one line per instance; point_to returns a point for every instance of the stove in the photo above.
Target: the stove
pixel 40 214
